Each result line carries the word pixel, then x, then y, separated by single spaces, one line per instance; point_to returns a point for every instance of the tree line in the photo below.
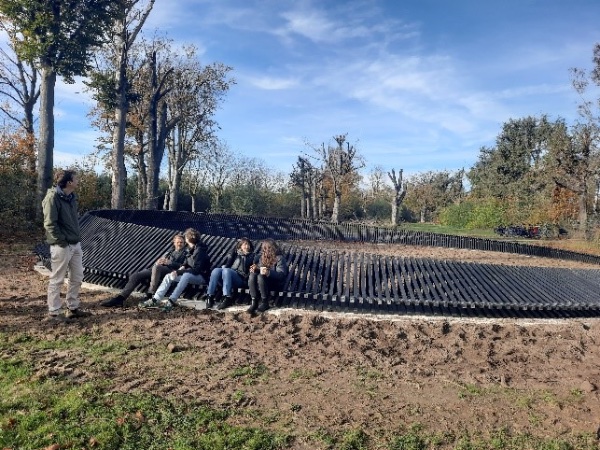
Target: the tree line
pixel 155 103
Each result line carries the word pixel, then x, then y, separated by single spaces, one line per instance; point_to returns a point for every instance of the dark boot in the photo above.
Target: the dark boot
pixel 210 301
pixel 225 303
pixel 113 302
pixel 264 305
pixel 149 295
pixel 253 306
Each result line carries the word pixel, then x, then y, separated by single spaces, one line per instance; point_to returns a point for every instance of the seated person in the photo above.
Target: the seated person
pixel 195 269
pixel 172 260
pixel 233 274
pixel 268 273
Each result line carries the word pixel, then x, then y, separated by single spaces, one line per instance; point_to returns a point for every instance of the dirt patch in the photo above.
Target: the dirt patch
pixel 448 254
pixel 307 372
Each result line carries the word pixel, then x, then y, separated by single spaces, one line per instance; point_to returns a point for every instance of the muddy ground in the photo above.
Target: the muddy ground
pixel 308 373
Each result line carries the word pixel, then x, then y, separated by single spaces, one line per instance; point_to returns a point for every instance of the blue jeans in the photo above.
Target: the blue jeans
pixel 231 280
pixel 182 282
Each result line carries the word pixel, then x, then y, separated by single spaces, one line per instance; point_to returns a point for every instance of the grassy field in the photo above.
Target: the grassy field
pixel 46 405
pixel 48 410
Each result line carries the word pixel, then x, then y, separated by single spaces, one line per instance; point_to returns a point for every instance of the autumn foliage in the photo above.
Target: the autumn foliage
pixel 17 178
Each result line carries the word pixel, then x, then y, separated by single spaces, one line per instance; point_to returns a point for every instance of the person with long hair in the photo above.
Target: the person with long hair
pixel 268 273
pixel 195 269
pixel 232 275
pixel 172 260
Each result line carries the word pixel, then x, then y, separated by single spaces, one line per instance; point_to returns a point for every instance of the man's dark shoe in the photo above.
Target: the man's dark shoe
pixel 113 302
pixel 253 306
pixel 54 318
pixel 225 303
pixel 76 313
pixel 264 305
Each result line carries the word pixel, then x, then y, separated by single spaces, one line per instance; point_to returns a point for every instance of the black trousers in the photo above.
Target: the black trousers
pixel 260 285
pixel 155 275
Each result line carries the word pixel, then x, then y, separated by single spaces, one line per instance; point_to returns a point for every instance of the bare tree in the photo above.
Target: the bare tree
pixel 18 84
pixel 194 97
pixel 400 189
pixel 124 33
pixel 160 70
pixel 340 163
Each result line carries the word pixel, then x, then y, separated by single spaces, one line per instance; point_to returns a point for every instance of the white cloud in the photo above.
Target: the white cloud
pixel 72 93
pixel 312 25
pixel 272 83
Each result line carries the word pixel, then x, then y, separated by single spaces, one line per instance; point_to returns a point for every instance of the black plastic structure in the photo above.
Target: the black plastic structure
pixel 118 243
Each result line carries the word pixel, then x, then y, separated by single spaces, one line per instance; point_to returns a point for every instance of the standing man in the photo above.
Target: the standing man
pixel 63 236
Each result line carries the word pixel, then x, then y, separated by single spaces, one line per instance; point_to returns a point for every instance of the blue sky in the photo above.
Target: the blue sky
pixel 417 84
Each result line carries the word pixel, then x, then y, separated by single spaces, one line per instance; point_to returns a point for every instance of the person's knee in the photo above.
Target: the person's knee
pixel 171 277
pixel 262 281
pixel 185 277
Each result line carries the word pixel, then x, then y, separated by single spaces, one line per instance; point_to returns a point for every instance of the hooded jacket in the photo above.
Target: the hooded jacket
pixel 60 218
pixel 176 258
pixel 240 262
pixel 197 261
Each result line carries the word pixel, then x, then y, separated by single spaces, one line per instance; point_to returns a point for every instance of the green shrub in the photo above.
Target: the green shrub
pixel 474 214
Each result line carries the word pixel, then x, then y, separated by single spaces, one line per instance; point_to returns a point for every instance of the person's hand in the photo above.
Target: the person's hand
pixel 253 268
pixel 264 271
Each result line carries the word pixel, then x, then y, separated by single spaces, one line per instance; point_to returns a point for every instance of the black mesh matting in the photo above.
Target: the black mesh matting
pixel 118 243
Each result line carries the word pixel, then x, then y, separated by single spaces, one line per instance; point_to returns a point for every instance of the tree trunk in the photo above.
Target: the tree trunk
pixel 321 207
pixel 153 164
pixel 394 212
pixel 303 204
pixel 597 197
pixel 308 207
pixel 29 129
pixel 174 190
pixel 400 189
pixel 193 203
pixel 46 135
pixel 423 215
pixel 119 172
pixel 313 195
pixel 166 197
pixel 335 214
pixel 216 200
pixel 142 179
pixel 156 152
pixel 582 203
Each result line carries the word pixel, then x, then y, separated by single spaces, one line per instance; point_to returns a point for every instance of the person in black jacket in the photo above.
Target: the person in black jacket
pixel 233 274
pixel 268 273
pixel 164 265
pixel 195 269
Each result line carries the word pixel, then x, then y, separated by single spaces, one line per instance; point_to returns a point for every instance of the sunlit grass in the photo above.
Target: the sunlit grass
pixel 59 412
